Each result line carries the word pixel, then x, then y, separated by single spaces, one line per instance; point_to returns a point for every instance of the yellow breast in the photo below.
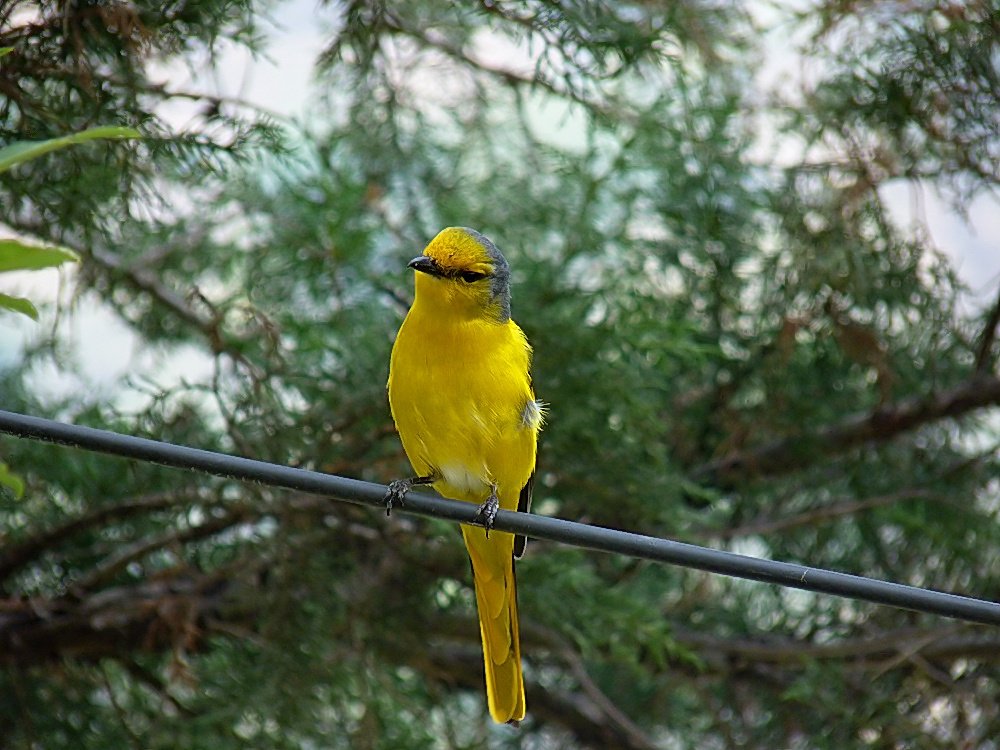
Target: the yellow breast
pixel 461 398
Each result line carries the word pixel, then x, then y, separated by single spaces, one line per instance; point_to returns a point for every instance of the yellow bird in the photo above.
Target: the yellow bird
pixel 461 397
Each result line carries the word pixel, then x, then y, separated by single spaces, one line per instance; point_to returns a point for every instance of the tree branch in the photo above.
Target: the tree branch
pixel 177 611
pixel 947 642
pixel 145 281
pixel 508 76
pixel 986 339
pixel 462 667
pixel 795 452
pixel 13 558
pixel 103 571
pixel 117 622
pixel 816 516
pixel 848 506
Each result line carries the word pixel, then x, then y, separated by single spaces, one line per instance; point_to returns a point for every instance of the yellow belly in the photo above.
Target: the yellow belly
pixel 461 398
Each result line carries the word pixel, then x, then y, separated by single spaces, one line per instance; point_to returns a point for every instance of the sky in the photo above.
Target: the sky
pixel 281 82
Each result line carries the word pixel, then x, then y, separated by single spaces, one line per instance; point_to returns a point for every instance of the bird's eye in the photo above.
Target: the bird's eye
pixel 471 276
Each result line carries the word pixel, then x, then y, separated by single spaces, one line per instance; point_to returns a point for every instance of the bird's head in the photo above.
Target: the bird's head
pixel 464 273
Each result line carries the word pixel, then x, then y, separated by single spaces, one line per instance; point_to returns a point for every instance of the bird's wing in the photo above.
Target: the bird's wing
pixel 523 506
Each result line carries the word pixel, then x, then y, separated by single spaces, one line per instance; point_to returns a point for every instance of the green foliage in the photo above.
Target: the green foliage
pixel 16 255
pixel 19 304
pixel 735 352
pixel 24 151
pixel 11 481
pixel 19 256
pixel 920 87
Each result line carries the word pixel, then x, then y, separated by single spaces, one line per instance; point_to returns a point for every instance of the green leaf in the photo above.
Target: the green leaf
pixel 16 255
pixel 12 481
pixel 19 304
pixel 4 51
pixel 22 151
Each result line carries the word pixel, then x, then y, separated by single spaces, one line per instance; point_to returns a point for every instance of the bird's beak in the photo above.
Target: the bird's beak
pixel 425 265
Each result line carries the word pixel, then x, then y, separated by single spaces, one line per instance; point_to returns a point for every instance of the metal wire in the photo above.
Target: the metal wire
pixel 539 527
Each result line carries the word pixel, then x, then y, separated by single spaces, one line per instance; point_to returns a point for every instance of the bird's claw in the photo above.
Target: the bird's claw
pixel 396 493
pixel 487 512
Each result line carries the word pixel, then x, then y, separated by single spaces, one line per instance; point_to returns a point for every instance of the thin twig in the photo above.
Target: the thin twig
pixel 601 700
pixel 110 566
pixel 16 557
pixel 815 516
pixel 795 452
pixel 133 738
pixel 156 685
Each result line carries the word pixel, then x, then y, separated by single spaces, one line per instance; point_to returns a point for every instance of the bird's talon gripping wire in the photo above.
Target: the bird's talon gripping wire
pixel 488 511
pixel 395 494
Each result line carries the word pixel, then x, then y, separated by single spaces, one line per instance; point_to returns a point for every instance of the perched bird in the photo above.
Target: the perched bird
pixel 461 397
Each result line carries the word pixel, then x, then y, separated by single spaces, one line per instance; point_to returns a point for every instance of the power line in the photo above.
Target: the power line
pixel 539 527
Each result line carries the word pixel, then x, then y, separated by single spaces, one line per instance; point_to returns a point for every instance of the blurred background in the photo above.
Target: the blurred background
pixel 754 246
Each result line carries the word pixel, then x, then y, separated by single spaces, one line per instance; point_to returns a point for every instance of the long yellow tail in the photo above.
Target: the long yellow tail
pixel 496 599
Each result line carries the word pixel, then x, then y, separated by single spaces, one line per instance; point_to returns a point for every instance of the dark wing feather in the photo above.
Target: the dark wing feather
pixel 523 506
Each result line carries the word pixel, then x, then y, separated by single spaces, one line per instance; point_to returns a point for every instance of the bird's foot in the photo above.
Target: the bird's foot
pixel 395 494
pixel 487 512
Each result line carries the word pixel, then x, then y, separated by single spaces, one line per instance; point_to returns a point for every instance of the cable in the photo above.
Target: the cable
pixel 539 527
